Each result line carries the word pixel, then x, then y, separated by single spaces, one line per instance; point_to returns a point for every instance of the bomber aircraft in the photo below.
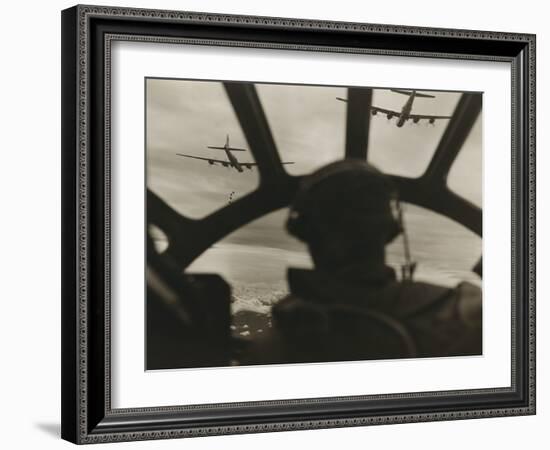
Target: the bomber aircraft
pixel 231 161
pixel 405 113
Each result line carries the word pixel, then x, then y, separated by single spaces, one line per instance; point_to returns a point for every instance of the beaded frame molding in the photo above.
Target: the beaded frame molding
pixel 87 34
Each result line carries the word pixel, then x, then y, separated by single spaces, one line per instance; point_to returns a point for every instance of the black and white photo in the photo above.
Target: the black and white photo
pixel 275 224
pixel 297 223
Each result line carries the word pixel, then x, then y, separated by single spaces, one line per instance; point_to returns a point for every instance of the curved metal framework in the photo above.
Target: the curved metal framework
pixel 188 238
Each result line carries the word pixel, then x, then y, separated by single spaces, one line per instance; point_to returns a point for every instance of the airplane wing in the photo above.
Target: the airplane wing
pixel 377 109
pixel 249 165
pixel 427 117
pixel 210 160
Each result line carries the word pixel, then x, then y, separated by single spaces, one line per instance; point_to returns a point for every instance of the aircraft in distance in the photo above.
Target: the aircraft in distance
pixel 231 161
pixel 405 113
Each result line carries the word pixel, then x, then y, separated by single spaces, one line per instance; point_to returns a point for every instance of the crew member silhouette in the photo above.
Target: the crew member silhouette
pixel 352 306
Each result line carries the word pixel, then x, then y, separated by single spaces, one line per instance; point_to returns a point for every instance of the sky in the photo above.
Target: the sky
pixel 308 125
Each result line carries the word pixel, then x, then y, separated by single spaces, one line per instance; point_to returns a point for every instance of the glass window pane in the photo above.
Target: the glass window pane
pixel 445 251
pixel 407 151
pixel 466 173
pixel 307 123
pixel 254 259
pixel 185 117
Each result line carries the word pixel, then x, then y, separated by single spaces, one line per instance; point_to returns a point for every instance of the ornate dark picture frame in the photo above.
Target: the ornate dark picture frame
pixel 87 414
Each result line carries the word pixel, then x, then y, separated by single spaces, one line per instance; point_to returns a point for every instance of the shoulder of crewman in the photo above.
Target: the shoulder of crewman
pixel 469 303
pixel 314 297
pixel 300 315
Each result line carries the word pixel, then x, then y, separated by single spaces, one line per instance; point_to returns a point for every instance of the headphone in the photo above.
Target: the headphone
pixel 300 224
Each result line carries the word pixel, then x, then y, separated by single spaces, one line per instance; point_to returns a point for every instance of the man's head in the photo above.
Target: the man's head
pixel 343 211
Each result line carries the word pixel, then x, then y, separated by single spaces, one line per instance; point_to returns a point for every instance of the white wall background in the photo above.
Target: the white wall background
pixel 30 225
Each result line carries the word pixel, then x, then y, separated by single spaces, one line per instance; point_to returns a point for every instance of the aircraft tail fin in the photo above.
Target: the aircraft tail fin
pixel 416 94
pixel 233 149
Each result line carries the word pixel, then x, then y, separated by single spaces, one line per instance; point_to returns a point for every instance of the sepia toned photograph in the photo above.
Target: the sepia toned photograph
pixel 278 224
pixel 290 223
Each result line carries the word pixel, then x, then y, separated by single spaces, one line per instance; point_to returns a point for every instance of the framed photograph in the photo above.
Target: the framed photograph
pixel 279 224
